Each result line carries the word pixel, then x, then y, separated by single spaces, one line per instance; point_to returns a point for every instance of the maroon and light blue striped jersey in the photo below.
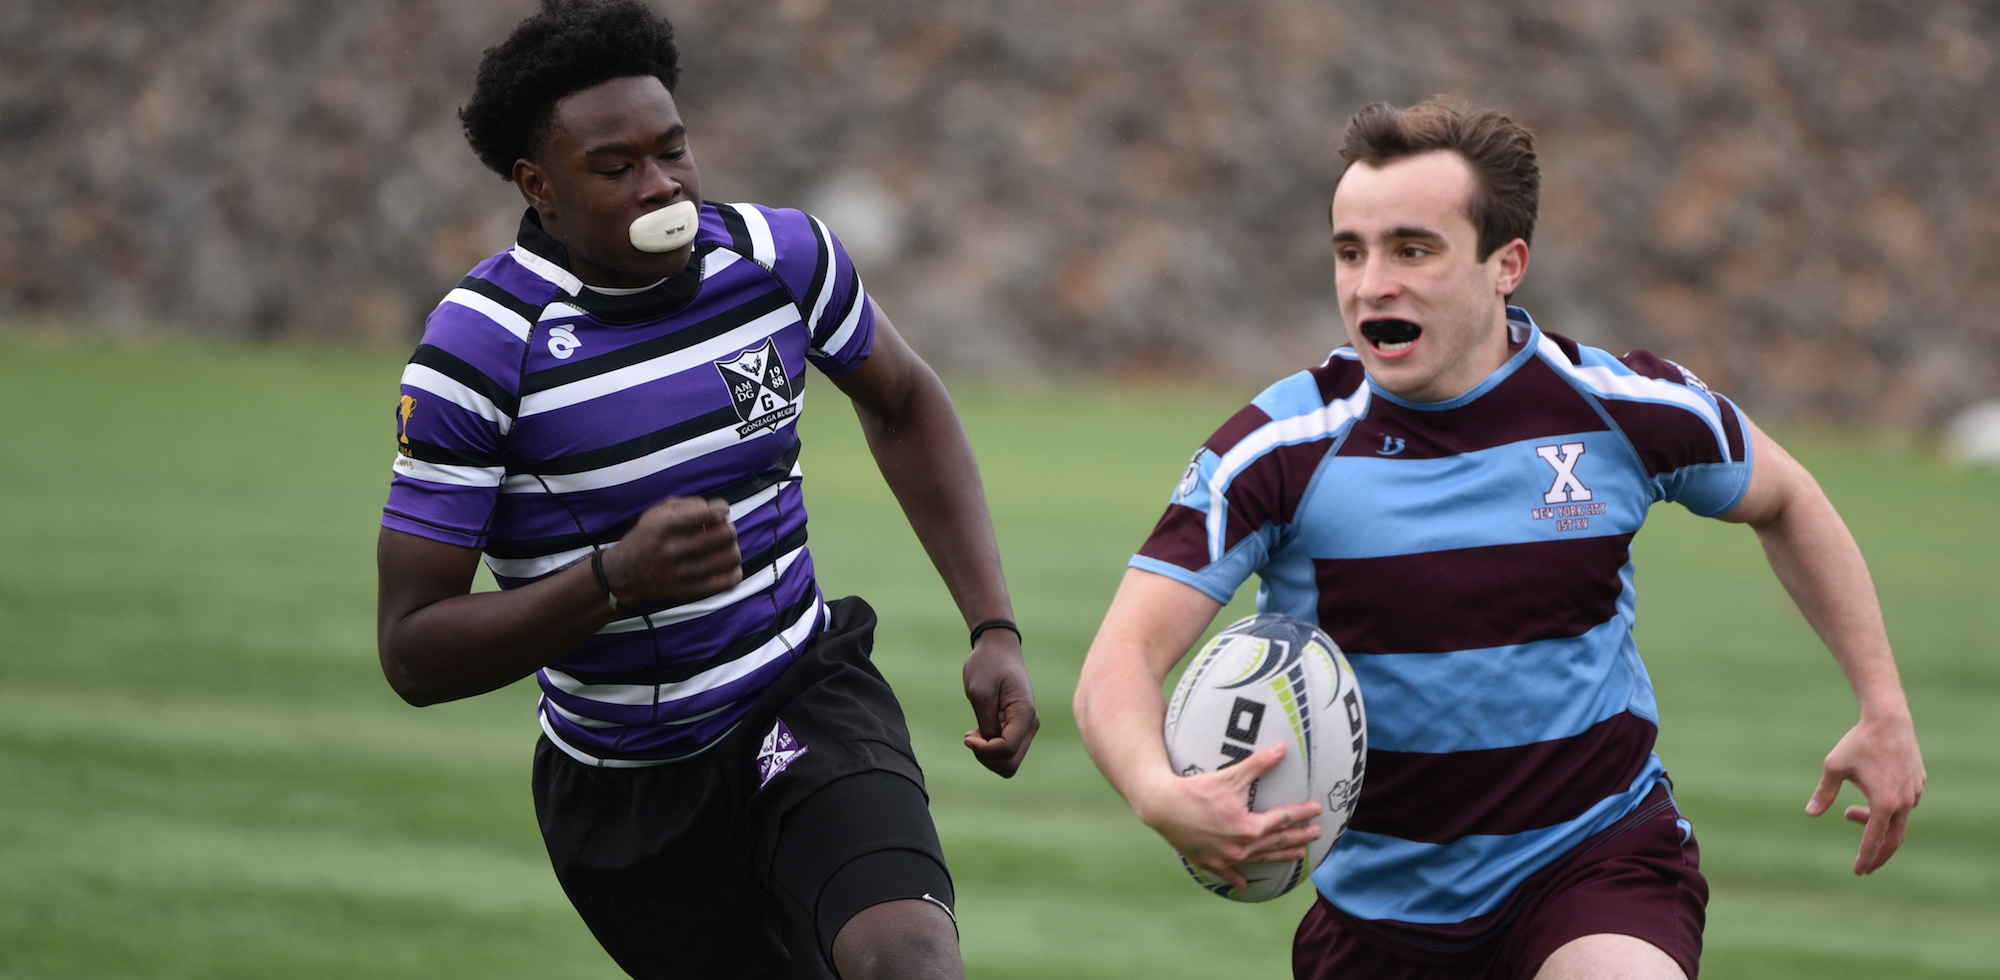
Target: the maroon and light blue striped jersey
pixel 540 417
pixel 1472 558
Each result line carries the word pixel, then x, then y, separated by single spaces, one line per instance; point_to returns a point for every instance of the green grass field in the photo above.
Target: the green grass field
pixel 202 774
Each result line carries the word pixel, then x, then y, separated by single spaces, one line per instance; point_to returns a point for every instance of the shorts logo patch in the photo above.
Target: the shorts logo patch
pixel 759 389
pixel 779 751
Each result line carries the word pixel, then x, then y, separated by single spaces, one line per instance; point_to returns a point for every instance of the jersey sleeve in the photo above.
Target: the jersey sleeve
pixel 457 403
pixel 1234 504
pixel 1692 441
pixel 822 278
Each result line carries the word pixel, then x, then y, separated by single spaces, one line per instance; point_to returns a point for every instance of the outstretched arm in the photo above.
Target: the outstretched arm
pixel 918 442
pixel 1119 711
pixel 1813 554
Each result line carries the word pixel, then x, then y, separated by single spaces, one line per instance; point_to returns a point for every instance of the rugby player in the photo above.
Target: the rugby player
pixel 1452 497
pixel 724 782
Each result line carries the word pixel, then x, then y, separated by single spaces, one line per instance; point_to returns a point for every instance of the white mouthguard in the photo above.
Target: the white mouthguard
pixel 669 228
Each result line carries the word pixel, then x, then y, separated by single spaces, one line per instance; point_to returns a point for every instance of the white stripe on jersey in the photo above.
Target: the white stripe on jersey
pixel 429 379
pixel 847 326
pixel 826 262
pixel 1277 432
pixel 716 261
pixel 644 466
pixel 763 250
pixel 776 648
pixel 507 319
pixel 764 578
pixel 554 273
pixel 687 358
pixel 454 476
pixel 1637 387
pixel 538 567
pixel 560 310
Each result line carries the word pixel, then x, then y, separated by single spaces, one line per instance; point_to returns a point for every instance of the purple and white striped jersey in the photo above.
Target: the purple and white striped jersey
pixel 1472 557
pixel 540 416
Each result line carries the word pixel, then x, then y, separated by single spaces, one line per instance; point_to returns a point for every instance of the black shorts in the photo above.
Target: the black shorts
pixel 746 860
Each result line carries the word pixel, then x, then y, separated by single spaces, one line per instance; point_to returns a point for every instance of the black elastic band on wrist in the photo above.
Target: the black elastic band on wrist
pixel 597 566
pixel 995 624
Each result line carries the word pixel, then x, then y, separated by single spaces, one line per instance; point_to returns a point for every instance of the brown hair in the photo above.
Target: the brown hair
pixel 1507 181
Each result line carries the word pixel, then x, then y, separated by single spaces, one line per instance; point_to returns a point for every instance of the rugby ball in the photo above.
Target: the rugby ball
pixel 1273 678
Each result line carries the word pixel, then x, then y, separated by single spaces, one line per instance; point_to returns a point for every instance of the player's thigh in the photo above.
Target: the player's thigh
pixel 1609 956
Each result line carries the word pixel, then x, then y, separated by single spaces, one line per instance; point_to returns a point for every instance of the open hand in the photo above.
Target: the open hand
pixel 1003 703
pixel 1880 757
pixel 1207 818
pixel 682 549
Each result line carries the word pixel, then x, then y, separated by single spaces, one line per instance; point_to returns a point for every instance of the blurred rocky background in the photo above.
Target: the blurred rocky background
pixel 1799 199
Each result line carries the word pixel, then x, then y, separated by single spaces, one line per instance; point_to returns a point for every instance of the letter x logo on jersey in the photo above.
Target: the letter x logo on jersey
pixel 1563 458
pixel 758 388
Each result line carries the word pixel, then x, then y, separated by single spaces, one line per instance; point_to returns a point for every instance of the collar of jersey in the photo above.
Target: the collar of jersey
pixel 1516 317
pixel 665 298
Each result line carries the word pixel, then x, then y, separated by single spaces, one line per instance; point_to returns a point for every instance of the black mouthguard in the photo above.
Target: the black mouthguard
pixel 1390 331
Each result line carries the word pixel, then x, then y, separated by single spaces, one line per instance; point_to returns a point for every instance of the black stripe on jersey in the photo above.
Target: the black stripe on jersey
pixel 448 364
pixel 664 299
pixel 651 442
pixel 688 336
pixel 431 452
pixel 492 290
pixel 734 493
pixel 737 648
pixel 833 322
pixel 822 271
pixel 739 231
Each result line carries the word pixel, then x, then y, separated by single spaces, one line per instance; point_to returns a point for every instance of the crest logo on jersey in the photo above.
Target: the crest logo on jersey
pixel 780 749
pixel 563 342
pixel 1563 459
pixel 404 409
pixel 1189 476
pixel 759 388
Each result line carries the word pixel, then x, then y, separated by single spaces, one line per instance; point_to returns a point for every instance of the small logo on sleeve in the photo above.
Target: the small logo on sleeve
pixel 758 388
pixel 1190 477
pixel 404 409
pixel 779 751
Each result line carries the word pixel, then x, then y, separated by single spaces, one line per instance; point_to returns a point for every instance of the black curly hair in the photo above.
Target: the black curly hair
pixel 569 46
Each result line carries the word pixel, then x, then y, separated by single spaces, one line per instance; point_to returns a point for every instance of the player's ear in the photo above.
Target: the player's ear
pixel 1510 266
pixel 533 182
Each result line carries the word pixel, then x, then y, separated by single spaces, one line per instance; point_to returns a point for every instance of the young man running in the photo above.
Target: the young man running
pixel 1452 497
pixel 725 783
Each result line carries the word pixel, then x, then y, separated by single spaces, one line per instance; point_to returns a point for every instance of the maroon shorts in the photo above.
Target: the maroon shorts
pixel 1639 877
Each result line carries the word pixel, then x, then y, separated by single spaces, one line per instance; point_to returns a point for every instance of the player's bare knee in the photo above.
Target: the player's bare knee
pixel 907 939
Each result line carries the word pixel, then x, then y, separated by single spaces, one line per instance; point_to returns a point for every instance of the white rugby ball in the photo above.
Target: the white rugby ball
pixel 1273 678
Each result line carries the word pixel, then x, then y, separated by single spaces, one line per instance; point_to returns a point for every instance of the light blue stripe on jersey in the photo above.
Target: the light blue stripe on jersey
pixel 1468 877
pixel 1469 700
pixel 1474 500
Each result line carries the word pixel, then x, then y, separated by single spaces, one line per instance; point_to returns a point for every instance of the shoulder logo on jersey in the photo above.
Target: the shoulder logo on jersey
pixel 1190 476
pixel 404 409
pixel 1391 445
pixel 780 749
pixel 563 342
pixel 758 388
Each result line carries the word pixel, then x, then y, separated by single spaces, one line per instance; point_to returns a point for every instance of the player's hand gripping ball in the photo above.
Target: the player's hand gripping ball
pixel 1273 678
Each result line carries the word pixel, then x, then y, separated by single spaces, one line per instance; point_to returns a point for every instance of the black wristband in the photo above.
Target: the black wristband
pixel 995 624
pixel 597 566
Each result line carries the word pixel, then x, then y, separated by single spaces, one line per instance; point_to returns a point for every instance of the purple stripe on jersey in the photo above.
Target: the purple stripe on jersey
pixel 1244 422
pixel 1534 402
pixel 1268 490
pixel 1181 538
pixel 1471 598
pixel 684 648
pixel 501 270
pixel 488 347
pixel 1667 437
pixel 1440 797
pixel 1338 378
